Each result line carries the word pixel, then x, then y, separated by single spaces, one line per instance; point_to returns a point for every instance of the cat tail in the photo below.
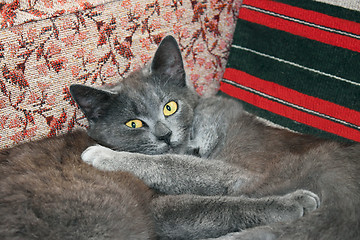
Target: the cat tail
pixel 332 221
pixel 336 180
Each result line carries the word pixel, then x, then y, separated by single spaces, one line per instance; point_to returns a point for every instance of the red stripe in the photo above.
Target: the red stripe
pixel 300 29
pixel 294 97
pixel 291 113
pixel 306 15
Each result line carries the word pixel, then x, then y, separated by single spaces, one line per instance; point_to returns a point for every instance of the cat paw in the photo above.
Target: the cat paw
pixel 308 201
pixel 292 206
pixel 100 157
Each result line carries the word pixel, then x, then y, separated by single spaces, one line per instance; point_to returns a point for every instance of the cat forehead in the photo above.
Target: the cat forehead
pixel 132 102
pixel 142 94
pixel 147 88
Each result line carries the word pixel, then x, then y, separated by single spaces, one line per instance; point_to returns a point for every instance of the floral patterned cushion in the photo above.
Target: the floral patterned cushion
pixel 47 45
pixel 15 12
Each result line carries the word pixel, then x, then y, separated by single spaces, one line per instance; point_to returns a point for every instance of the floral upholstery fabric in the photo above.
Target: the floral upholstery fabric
pixel 16 12
pixel 47 45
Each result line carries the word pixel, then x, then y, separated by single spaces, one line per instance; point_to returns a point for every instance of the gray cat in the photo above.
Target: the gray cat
pixel 155 126
pixel 48 192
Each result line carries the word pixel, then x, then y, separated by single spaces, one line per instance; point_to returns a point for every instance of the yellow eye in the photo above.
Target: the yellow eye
pixel 170 108
pixel 134 123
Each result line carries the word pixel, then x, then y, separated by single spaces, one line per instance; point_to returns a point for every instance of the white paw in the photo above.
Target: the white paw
pixel 100 157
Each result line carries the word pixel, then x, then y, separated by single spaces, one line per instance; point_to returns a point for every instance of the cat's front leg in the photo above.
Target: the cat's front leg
pixel 103 158
pixel 196 217
pixel 257 233
pixel 292 206
pixel 171 173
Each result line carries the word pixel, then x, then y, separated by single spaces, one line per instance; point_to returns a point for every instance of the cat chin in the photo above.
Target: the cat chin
pixel 156 150
pixel 173 148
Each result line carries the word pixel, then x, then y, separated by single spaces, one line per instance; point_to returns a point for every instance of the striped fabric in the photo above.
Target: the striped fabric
pixel 297 64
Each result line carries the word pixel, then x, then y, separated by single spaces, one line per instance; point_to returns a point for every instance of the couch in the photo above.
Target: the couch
pixel 47 45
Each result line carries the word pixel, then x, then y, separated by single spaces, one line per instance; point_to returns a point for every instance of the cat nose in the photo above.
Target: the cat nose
pixel 162 132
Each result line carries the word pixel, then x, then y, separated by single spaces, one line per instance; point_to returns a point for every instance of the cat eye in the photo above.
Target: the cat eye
pixel 136 123
pixel 170 108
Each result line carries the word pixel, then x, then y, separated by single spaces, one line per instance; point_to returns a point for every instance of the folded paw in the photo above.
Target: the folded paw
pixel 100 157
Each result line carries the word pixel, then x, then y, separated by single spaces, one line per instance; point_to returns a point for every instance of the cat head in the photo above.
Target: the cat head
pixel 149 112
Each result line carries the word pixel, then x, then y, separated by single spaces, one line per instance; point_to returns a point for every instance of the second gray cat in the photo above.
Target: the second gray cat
pixel 160 130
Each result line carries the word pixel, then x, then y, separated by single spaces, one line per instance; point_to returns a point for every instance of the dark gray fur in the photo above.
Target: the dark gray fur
pixel 214 148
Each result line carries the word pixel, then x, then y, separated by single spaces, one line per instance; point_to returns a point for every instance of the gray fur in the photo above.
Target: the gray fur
pixel 195 217
pixel 217 149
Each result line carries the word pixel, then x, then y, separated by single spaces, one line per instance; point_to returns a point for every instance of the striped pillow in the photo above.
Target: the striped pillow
pixel 297 64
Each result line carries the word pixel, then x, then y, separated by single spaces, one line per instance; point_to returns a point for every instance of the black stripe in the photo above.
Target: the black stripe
pixel 324 8
pixel 302 22
pixel 318 56
pixel 298 79
pixel 303 51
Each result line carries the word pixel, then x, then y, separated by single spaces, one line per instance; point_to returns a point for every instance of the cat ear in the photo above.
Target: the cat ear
pixel 92 102
pixel 168 61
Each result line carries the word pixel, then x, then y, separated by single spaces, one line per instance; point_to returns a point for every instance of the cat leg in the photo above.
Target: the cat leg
pixel 173 174
pixel 257 233
pixel 198 217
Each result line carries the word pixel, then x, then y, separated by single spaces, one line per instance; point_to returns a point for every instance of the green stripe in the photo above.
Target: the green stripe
pixel 293 77
pixel 286 122
pixel 324 8
pixel 306 52
pixel 298 79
